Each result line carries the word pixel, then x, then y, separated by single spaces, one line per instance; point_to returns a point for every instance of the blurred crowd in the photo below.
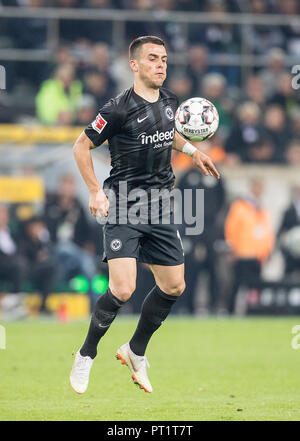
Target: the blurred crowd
pixel 259 114
pixel 259 123
pixel 45 251
pixel 254 6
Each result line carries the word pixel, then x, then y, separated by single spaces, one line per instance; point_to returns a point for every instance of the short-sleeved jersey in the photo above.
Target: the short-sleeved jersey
pixel 140 136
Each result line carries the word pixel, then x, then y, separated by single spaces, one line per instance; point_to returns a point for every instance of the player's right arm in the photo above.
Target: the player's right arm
pixel 98 202
pixel 106 124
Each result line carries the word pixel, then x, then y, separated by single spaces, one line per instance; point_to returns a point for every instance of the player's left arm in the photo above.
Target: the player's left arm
pixel 200 159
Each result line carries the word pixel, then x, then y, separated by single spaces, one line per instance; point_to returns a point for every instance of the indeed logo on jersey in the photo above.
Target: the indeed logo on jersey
pixel 160 138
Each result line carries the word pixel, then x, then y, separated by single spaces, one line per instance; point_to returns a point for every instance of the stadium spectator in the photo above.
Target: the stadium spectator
pixel 120 71
pixel 101 4
pixel 40 263
pixel 95 30
pixel 6 115
pixel 171 32
pixel 262 38
pixel 214 89
pixel 86 111
pixel 257 7
pixel 100 57
pixel 11 269
pixel 289 235
pixel 254 91
pixel 189 5
pixel 278 132
pixel 71 31
pixel 70 232
pixel 179 5
pixel 285 95
pixel 246 141
pixel 96 85
pixel 81 51
pixel 219 38
pixel 165 5
pixel 250 236
pixel 141 5
pixel 30 32
pixel 181 85
pixel 293 152
pixel 58 97
pixel 62 55
pixel 66 3
pixel 197 67
pixel 274 68
pixel 291 31
pixel 99 60
pixel 295 124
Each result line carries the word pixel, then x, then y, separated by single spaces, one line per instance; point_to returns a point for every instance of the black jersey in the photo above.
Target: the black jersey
pixel 140 136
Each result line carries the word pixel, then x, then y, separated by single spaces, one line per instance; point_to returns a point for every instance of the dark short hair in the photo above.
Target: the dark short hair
pixel 137 43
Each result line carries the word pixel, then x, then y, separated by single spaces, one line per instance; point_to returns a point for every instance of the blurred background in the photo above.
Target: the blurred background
pixel 63 59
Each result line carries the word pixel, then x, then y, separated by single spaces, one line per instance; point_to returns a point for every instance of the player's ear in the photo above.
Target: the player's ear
pixel 133 65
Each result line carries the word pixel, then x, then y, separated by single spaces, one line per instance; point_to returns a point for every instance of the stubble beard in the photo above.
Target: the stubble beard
pixel 151 84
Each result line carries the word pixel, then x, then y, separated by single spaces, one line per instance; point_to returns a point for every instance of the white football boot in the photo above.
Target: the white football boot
pixel 80 373
pixel 138 366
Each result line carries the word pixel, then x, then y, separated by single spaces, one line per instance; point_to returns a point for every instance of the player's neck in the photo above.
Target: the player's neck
pixel 149 94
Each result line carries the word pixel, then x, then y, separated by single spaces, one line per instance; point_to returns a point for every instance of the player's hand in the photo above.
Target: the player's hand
pixel 98 203
pixel 202 161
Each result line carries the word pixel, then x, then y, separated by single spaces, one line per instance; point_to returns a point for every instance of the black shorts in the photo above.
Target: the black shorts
pixel 148 243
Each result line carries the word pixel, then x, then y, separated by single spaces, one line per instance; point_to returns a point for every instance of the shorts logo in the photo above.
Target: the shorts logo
pixel 116 244
pixel 99 123
pixel 169 113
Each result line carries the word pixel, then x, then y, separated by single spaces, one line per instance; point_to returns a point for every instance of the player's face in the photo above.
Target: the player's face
pixel 151 65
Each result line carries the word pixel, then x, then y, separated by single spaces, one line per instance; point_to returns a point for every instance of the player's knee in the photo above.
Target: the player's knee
pixel 176 289
pixel 180 288
pixel 124 292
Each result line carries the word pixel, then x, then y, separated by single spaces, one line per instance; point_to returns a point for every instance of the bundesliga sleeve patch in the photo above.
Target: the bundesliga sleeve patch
pixel 99 123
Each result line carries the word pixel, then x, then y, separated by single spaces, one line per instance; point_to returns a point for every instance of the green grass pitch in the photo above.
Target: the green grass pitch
pixel 201 369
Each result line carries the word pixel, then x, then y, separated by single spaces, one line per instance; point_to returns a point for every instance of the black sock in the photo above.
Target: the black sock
pixel 105 311
pixel 155 310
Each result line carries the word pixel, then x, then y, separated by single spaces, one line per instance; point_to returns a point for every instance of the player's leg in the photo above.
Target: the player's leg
pixel 155 309
pixel 157 305
pixel 122 279
pixel 163 252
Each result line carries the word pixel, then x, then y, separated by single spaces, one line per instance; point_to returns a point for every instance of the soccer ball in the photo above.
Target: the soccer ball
pixel 196 119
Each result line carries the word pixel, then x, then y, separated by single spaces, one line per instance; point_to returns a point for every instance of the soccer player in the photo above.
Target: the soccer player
pixel 140 129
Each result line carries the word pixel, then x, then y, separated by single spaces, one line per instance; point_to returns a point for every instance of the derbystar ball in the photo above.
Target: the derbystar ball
pixel 197 119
